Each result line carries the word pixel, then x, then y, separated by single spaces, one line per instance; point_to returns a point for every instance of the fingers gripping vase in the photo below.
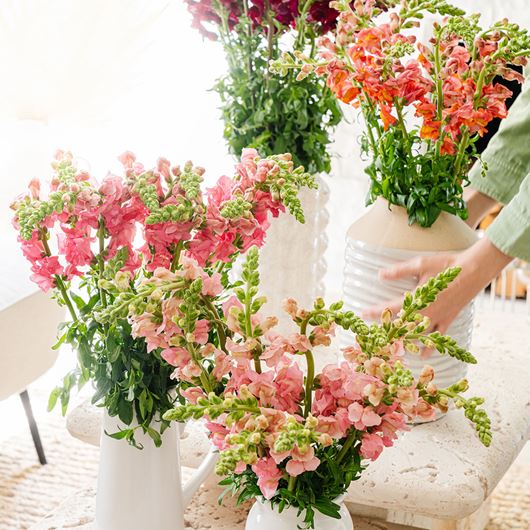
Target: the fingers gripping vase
pixel 292 261
pixel 383 237
pixel 263 516
pixel 141 489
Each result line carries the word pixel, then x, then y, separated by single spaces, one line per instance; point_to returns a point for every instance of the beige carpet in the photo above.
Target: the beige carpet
pixel 29 491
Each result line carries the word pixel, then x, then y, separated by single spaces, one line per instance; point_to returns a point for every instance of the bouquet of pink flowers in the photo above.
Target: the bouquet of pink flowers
pixel 98 244
pixel 294 437
pixel 448 87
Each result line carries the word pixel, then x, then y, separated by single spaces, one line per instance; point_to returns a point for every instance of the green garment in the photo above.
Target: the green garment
pixel 508 180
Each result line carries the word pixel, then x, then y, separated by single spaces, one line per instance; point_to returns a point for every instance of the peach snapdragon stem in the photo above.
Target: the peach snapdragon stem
pixel 101 260
pixel 248 332
pixel 218 324
pixel 204 377
pixel 308 398
pixel 58 279
pixel 347 446
pixel 309 382
pixel 308 401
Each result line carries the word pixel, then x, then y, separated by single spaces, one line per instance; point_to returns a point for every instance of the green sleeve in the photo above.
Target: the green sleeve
pixel 510 232
pixel 508 179
pixel 507 155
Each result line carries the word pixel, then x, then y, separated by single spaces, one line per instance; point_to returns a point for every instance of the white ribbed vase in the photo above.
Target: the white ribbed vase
pixel 263 516
pixel 382 237
pixel 292 261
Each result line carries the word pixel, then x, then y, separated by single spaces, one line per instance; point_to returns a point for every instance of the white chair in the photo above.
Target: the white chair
pixel 29 330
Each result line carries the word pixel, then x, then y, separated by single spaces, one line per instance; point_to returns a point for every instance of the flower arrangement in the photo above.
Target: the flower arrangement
pixel 424 105
pixel 98 245
pixel 295 437
pixel 266 112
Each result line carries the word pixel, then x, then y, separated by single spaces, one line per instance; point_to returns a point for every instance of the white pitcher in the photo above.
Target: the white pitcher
pixel 142 489
pixel 263 516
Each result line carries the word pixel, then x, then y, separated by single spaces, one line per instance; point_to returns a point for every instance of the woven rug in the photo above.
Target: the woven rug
pixel 29 491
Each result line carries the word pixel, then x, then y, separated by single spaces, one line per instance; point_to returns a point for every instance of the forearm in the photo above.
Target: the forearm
pixel 480 264
pixel 478 205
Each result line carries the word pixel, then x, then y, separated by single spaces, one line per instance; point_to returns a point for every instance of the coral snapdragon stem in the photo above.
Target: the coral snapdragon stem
pixel 176 256
pixel 58 280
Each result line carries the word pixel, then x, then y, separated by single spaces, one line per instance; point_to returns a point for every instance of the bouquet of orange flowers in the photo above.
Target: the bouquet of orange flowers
pixel 448 86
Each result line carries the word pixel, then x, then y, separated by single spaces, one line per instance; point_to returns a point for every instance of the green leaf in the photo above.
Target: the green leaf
pixel 79 302
pixel 54 396
pixel 155 436
pixel 328 508
pixel 125 411
pixel 120 435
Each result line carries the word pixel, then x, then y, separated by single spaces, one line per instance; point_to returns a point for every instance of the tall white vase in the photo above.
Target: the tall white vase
pixel 383 237
pixel 141 489
pixel 292 261
pixel 263 516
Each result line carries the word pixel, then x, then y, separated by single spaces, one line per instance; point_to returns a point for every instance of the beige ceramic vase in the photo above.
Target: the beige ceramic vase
pixel 382 237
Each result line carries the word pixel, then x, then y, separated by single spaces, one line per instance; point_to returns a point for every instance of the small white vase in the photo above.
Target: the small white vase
pixel 141 489
pixel 382 237
pixel 263 516
pixel 292 260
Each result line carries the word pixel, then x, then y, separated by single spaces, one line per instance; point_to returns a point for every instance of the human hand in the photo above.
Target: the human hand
pixel 479 264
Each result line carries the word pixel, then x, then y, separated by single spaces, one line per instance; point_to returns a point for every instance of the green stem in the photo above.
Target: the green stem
pixel 301 26
pixel 464 143
pixel 480 86
pixel 439 90
pixel 250 72
pixel 309 383
pixel 176 256
pixel 248 328
pixel 347 446
pixel 270 39
pixel 402 126
pixel 292 483
pixel 218 324
pixel 310 377
pixel 101 259
pixel 204 377
pixel 58 280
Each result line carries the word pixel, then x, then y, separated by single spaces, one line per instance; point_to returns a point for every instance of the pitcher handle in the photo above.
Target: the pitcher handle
pixel 200 475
